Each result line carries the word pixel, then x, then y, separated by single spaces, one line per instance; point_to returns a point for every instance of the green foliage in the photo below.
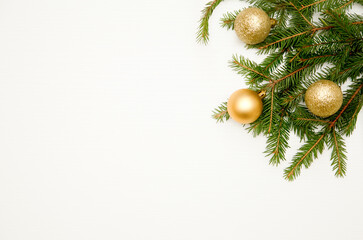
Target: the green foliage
pixel 203 29
pixel 304 123
pixel 353 100
pixel 305 155
pixel 338 155
pixel 228 18
pixel 220 113
pixel 278 140
pixel 254 73
pixel 301 51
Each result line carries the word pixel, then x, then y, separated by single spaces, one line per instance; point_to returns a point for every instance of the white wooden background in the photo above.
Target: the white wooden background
pixel 105 133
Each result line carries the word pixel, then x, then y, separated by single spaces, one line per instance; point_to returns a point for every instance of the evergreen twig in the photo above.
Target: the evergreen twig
pixel 203 29
pixel 228 18
pixel 298 53
pixel 220 113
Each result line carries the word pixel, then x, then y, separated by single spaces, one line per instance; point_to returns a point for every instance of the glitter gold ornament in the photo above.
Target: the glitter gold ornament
pixel 324 98
pixel 245 106
pixel 253 25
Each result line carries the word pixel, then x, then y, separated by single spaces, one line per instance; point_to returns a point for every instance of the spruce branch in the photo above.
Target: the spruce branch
pixel 203 29
pixel 220 113
pixel 338 156
pixel 352 105
pixel 346 105
pixel 271 62
pixel 305 156
pixel 304 123
pixel 324 4
pixel 292 98
pixel 251 70
pixel 312 4
pixel 299 53
pixel 345 41
pixel 227 21
pixel 288 76
pixel 345 4
pixel 350 125
pixel 277 141
pixel 308 60
pixel 284 39
pixel 291 34
pixel 272 108
pixel 313 120
pixel 302 15
pixel 340 21
pixel 308 152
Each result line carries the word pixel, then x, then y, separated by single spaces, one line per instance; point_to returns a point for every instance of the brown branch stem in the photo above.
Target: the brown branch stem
pixel 313 120
pixel 290 74
pixel 283 39
pixel 278 137
pixel 338 155
pixel 220 114
pixel 275 59
pixel 293 97
pixel 298 34
pixel 345 4
pixel 303 157
pixel 306 20
pixel 346 105
pixel 307 59
pixel 353 116
pixel 272 102
pixel 312 4
pixel 252 70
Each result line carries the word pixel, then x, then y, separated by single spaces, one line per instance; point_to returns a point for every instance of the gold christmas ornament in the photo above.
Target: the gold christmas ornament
pixel 245 106
pixel 324 98
pixel 252 25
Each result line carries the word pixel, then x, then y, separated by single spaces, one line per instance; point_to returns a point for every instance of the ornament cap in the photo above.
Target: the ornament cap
pixel 262 94
pixel 273 22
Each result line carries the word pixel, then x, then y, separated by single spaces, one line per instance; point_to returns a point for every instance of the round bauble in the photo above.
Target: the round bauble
pixel 324 98
pixel 252 25
pixel 245 106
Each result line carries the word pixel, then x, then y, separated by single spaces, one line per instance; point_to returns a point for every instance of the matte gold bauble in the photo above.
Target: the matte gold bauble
pixel 324 98
pixel 252 25
pixel 245 106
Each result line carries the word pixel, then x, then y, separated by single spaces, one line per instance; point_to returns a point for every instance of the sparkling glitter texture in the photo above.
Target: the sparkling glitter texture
pixel 252 25
pixel 324 98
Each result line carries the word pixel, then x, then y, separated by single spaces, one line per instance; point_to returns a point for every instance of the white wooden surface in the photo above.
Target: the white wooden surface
pixel 105 133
